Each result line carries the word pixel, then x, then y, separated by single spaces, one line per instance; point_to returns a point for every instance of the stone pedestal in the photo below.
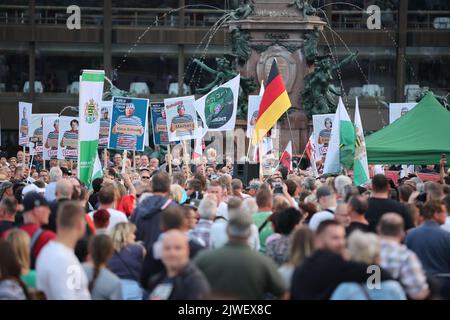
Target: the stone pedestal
pixel 277 31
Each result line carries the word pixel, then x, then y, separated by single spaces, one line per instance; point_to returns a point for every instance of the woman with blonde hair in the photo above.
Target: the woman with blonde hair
pixel 177 193
pixel 127 259
pixel 301 246
pixel 20 242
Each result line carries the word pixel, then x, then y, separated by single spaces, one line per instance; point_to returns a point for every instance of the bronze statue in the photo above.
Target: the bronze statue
pixel 225 72
pixel 318 96
pixel 240 46
pixel 243 10
pixel 304 7
pixel 310 46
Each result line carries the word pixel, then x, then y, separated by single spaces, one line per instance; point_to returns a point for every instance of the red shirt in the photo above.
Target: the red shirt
pixel 43 239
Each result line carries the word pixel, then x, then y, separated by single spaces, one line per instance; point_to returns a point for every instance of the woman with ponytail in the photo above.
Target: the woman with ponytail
pixel 103 284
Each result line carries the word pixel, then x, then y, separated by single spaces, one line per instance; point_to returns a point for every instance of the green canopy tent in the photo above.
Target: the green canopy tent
pixel 419 137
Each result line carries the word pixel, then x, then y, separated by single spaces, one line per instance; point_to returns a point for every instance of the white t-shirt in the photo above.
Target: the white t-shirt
pixel 222 210
pixel 116 217
pixel 446 225
pixel 60 275
pixel 318 217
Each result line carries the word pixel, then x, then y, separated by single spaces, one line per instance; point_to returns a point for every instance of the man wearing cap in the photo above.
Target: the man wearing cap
pixel 183 124
pixel 52 140
pixel 236 271
pixel 36 213
pixel 123 122
pixel 327 201
pixel 161 127
pixel 253 187
pixel 24 123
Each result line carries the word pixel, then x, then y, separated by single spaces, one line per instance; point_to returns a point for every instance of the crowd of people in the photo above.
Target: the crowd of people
pixel 199 233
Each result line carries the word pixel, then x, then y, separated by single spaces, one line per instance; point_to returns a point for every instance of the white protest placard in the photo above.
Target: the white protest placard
pixel 24 123
pixel 68 138
pixel 50 135
pixel 36 132
pixel 181 118
pixel 322 124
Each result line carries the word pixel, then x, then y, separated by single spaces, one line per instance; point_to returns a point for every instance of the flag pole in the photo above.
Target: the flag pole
pixel 105 158
pixel 134 161
pixel 290 131
pixel 23 159
pixel 124 161
pixel 169 158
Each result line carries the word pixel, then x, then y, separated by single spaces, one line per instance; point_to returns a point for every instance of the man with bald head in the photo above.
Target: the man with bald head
pixel 63 193
pixel 181 279
pixel 398 260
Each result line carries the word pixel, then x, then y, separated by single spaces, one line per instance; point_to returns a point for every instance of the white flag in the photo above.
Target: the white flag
pixel 218 108
pixel 360 166
pixel 342 138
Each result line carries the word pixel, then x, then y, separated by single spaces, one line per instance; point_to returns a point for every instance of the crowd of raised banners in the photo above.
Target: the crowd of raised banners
pixel 123 123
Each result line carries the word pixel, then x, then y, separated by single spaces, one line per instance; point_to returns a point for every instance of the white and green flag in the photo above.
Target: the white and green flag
pixel 360 166
pixel 91 91
pixel 341 148
pixel 218 108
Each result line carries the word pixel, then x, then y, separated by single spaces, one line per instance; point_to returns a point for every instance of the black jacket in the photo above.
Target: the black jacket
pixel 147 218
pixel 321 273
pixel 190 284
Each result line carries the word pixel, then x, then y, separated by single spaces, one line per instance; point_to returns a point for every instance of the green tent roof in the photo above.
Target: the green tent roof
pixel 419 137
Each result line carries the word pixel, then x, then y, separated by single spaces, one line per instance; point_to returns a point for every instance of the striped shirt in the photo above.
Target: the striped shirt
pixel 203 231
pixel 186 120
pixel 128 141
pixel 161 128
pixel 73 135
pixel 104 127
pixel 104 132
pixel 24 123
pixel 37 135
pixel 53 136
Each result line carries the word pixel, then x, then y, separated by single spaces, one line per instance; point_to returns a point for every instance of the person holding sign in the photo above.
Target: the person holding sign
pixel 183 124
pixel 24 123
pixel 52 140
pixel 128 127
pixel 70 140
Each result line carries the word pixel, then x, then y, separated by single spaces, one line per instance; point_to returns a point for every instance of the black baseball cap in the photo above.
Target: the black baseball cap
pixel 33 200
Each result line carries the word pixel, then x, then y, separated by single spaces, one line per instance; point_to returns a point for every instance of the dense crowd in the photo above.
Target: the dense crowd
pixel 142 233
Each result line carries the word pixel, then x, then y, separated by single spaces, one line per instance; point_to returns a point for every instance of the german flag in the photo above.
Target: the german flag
pixel 274 103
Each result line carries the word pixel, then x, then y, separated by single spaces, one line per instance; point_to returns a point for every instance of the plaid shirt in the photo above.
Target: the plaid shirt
pixel 202 231
pixel 404 266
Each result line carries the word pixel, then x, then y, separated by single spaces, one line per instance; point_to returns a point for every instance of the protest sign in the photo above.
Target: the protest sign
pixel 128 122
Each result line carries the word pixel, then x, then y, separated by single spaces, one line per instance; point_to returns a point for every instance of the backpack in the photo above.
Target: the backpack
pixel 33 242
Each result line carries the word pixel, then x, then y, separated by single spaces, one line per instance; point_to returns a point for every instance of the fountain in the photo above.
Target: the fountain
pixel 277 29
